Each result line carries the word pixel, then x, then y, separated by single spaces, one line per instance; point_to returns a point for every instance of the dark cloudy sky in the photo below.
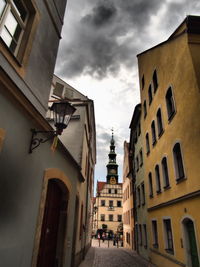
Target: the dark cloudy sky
pixel 97 56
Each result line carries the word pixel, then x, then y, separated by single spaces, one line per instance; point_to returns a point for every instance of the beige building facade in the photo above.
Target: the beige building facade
pixel 128 208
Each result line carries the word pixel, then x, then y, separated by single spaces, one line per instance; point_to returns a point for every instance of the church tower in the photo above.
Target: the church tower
pixel 112 166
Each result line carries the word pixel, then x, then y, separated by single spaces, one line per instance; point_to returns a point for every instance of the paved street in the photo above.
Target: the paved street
pixel 112 257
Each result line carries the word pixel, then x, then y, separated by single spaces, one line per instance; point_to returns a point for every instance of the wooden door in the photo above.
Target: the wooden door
pixel 192 244
pixel 48 241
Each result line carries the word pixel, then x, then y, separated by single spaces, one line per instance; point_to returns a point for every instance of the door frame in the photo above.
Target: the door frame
pixel 186 245
pixel 51 173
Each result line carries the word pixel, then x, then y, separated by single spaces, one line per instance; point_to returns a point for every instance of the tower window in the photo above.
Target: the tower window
pixel 178 162
pixel 150 94
pixel 159 122
pixel 170 103
pixel 155 81
pixel 110 217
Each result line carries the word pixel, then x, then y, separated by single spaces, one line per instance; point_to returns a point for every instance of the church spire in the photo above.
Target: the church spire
pixel 112 167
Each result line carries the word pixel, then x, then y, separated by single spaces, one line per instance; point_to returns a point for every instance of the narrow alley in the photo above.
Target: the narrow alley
pixel 112 257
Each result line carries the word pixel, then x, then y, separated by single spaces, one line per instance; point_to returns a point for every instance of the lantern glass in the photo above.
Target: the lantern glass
pixel 62 112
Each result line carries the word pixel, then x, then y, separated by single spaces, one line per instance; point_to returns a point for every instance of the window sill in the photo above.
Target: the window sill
pixel 158 192
pixel 155 245
pixel 170 251
pixel 167 187
pixel 179 180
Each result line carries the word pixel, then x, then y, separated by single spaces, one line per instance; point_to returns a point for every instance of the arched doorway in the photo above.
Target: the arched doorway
pixel 53 225
pixel 190 243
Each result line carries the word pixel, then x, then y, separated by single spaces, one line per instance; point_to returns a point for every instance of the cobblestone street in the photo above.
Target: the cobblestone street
pixel 112 257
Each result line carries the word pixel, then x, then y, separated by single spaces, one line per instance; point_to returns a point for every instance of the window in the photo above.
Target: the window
pixel 119 203
pixel 155 81
pixel 103 203
pixel 14 18
pixel 150 94
pixel 145 235
pixel 81 223
pixel 153 132
pixel 109 191
pixel 147 144
pixel 157 173
pixel 143 194
pixel 102 217
pixel 110 217
pixel 159 122
pixel 110 203
pixel 168 236
pixel 115 191
pixel 138 196
pixel 145 108
pixel 141 158
pixel 137 163
pixel 150 185
pixel 119 218
pixel 178 162
pixel 140 234
pixel 143 82
pixel 155 234
pixel 165 172
pixel 170 103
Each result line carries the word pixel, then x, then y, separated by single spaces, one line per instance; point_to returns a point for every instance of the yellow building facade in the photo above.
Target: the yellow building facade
pixel 170 84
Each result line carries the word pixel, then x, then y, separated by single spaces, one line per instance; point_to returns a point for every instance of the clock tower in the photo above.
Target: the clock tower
pixel 112 167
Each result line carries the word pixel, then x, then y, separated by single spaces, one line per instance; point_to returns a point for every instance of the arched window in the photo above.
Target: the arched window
pixel 155 81
pixel 150 94
pixel 178 162
pixel 153 132
pixel 165 172
pixel 159 122
pixel 147 143
pixel 150 185
pixel 170 103
pixel 157 174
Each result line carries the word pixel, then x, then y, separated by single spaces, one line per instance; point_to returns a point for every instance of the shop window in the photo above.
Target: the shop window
pixel 168 236
pixel 155 234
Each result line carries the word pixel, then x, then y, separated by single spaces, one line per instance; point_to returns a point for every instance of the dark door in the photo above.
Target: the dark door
pixel 48 241
pixel 192 243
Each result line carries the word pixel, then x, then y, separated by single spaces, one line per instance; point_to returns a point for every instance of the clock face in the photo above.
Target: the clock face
pixel 112 180
pixel 113 171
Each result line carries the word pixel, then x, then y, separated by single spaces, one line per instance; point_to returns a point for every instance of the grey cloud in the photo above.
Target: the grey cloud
pixel 111 32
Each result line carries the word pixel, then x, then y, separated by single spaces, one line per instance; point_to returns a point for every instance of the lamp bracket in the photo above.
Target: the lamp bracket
pixel 36 141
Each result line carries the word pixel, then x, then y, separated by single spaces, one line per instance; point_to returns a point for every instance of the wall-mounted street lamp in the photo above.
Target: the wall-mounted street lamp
pixel 62 112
